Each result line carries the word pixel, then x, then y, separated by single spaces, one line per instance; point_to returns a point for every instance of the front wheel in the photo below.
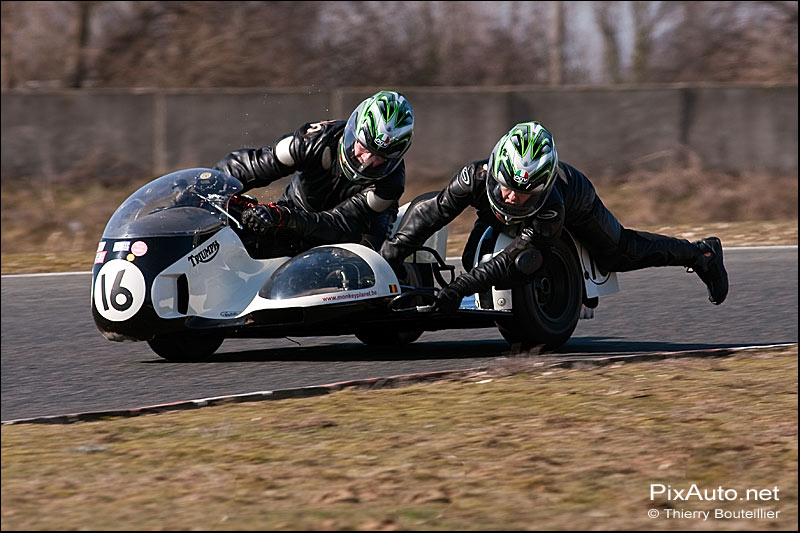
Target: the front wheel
pixel 186 347
pixel 547 309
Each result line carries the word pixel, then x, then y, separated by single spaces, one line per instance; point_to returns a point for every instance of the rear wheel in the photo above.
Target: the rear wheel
pixel 547 309
pixel 187 347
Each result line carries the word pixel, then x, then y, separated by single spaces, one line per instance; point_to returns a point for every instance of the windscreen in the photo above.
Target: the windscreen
pixel 324 269
pixel 179 203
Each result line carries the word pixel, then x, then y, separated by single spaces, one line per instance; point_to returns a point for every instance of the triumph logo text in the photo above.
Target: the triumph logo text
pixel 205 255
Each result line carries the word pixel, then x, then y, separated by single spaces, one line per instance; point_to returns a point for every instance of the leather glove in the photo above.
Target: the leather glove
pixel 239 203
pixel 447 301
pixel 264 217
pixel 243 201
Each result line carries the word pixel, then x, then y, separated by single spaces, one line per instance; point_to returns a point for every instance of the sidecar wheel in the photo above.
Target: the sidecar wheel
pixel 186 347
pixel 386 337
pixel 547 309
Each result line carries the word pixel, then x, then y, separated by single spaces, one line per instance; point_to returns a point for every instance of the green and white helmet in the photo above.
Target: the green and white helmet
pixel 524 161
pixel 383 124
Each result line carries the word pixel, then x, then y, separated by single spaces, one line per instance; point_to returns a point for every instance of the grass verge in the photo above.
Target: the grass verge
pixel 57 230
pixel 732 234
pixel 519 447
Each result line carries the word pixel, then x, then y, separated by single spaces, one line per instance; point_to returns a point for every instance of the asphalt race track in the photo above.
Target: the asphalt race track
pixel 55 362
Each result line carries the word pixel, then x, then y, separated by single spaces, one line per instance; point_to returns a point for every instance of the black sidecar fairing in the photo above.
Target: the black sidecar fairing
pixel 166 218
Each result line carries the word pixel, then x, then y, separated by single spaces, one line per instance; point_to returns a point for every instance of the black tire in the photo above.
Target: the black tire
pixel 386 337
pixel 546 310
pixel 187 347
pixel 393 337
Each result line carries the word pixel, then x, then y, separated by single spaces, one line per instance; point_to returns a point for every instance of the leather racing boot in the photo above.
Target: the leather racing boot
pixel 710 268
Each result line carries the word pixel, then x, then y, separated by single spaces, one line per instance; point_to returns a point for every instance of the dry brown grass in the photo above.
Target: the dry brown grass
pixel 546 449
pixel 59 227
pixel 689 194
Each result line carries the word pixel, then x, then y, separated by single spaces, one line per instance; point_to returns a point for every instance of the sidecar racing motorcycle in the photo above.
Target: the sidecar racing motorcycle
pixel 173 269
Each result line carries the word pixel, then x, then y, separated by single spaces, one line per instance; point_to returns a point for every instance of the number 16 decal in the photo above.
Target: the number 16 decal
pixel 119 290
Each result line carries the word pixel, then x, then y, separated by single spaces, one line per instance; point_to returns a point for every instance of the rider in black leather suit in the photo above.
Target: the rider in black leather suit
pixel 524 184
pixel 349 177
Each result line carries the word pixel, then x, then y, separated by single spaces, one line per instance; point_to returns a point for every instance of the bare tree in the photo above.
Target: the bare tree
pixel 38 46
pixel 76 69
pixel 645 16
pixel 556 42
pixel 727 41
pixel 9 16
pixel 787 9
pixel 208 44
pixel 606 15
pixel 290 44
pixel 424 52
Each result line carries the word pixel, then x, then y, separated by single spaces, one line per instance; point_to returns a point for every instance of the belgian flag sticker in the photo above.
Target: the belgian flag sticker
pixel 393 289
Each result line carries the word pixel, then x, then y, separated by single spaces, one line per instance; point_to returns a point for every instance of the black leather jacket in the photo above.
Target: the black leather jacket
pixel 326 207
pixel 573 204
pixel 468 188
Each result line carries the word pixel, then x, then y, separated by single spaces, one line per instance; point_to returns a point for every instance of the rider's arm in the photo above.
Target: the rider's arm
pixel 256 167
pixel 517 260
pixel 366 217
pixel 509 266
pixel 353 220
pixel 304 149
pixel 426 216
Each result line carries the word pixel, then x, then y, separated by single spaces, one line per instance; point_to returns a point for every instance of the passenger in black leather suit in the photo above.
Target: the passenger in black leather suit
pixel 524 187
pixel 348 177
